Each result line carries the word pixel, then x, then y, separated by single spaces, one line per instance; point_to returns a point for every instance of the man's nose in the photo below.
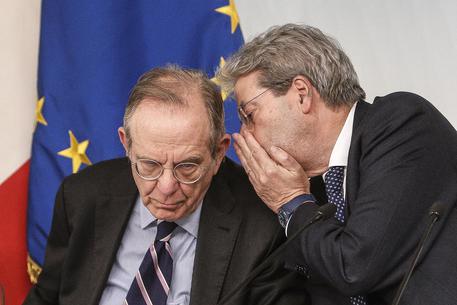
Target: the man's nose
pixel 167 182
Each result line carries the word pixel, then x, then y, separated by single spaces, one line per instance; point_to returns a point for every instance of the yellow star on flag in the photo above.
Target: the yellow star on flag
pixel 38 112
pixel 76 152
pixel 216 81
pixel 230 10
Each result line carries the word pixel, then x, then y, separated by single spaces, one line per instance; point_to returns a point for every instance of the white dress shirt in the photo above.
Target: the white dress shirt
pixel 340 152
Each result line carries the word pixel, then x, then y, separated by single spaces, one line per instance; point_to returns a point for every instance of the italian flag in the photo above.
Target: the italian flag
pixel 18 58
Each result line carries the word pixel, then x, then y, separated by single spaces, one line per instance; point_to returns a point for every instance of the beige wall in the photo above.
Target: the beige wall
pixel 408 45
pixel 19 32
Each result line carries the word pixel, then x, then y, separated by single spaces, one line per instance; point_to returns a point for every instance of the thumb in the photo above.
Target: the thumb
pixel 284 159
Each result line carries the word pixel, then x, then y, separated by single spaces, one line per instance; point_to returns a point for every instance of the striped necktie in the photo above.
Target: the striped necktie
pixel 152 281
pixel 334 189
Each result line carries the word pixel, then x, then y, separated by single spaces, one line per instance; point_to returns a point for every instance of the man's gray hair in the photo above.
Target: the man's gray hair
pixel 173 85
pixel 283 52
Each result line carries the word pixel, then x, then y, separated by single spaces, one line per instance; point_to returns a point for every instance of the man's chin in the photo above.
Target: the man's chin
pixel 168 212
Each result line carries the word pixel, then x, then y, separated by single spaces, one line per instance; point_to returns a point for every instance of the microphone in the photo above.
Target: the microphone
pixel 434 214
pixel 324 212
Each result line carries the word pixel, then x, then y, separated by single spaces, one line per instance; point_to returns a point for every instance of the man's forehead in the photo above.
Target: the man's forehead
pixel 154 110
pixel 246 86
pixel 169 128
pixel 171 143
pixel 179 134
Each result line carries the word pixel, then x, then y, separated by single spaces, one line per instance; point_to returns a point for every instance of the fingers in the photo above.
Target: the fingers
pixel 247 152
pixel 258 152
pixel 284 159
pixel 253 153
pixel 255 156
pixel 276 176
pixel 242 156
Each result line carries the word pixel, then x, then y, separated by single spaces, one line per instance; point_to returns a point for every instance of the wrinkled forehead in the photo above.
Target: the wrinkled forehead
pixel 170 139
pixel 170 127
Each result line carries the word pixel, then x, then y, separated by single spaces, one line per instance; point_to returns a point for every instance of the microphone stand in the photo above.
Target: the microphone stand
pixel 434 214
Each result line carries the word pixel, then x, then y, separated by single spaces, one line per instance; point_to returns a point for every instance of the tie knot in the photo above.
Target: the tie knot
pixel 164 230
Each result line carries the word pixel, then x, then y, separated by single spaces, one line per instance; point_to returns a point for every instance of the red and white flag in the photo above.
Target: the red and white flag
pixel 18 58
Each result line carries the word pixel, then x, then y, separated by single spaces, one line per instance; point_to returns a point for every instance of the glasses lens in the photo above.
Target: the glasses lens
pixel 148 169
pixel 188 172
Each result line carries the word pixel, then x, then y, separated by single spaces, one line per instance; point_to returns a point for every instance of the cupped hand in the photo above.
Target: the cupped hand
pixel 276 176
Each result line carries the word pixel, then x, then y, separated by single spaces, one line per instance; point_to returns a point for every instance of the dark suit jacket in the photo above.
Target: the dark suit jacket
pixel 402 159
pixel 236 233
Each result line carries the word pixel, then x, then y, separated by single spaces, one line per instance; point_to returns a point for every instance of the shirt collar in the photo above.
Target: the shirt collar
pixel 340 152
pixel 190 223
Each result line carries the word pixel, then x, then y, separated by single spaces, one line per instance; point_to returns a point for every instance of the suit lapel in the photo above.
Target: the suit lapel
pixel 217 234
pixel 112 213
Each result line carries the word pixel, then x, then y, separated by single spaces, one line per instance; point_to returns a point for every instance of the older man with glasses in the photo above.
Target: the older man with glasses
pixel 175 222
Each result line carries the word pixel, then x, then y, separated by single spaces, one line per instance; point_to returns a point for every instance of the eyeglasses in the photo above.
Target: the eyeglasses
pixel 186 172
pixel 245 118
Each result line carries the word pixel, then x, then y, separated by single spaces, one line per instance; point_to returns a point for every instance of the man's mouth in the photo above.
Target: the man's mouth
pixel 166 205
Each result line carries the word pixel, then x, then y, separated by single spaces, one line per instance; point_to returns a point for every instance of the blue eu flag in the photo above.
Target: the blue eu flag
pixel 91 54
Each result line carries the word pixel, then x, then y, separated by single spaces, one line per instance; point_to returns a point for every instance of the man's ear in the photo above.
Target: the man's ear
pixel 304 88
pixel 123 139
pixel 222 148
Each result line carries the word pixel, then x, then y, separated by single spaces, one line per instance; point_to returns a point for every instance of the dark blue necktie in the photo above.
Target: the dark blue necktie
pixel 152 281
pixel 334 189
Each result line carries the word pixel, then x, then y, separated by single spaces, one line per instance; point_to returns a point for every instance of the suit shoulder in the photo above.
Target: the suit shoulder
pixel 245 195
pixel 399 102
pixel 397 110
pixel 238 181
pixel 100 176
pixel 405 109
pixel 234 173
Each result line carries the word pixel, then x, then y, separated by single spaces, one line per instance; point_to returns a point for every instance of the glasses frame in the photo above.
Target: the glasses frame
pixel 173 169
pixel 242 115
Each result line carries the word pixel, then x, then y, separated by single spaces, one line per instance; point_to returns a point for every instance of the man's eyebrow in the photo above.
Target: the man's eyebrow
pixel 192 159
pixel 143 157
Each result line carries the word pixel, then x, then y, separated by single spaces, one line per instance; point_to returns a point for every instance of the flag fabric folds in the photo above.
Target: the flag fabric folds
pixel 91 54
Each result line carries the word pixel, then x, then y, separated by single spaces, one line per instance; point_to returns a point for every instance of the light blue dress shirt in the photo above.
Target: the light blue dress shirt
pixel 138 237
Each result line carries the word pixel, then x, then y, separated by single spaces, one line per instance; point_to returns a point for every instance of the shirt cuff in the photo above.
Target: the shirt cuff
pixel 287 210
